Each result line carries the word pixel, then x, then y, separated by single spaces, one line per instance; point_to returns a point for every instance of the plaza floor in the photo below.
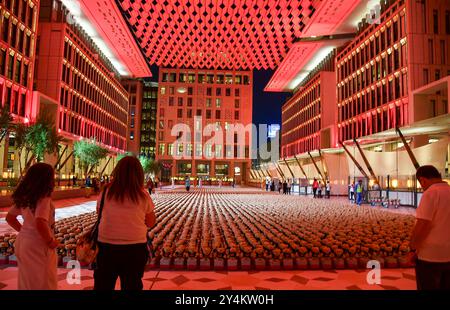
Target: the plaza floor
pixel 391 279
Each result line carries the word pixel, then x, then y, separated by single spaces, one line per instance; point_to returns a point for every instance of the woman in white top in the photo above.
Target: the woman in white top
pixel 128 213
pixel 35 244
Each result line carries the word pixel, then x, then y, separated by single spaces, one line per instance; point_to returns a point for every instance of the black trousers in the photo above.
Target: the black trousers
pixel 126 262
pixel 432 276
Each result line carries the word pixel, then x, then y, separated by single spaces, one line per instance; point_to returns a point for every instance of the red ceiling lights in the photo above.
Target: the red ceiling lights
pixel 231 34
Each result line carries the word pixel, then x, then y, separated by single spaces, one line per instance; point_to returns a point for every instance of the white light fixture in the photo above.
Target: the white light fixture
pixel 78 16
pixel 312 64
pixel 432 140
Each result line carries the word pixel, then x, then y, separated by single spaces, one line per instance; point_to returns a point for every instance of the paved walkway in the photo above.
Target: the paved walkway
pixel 391 279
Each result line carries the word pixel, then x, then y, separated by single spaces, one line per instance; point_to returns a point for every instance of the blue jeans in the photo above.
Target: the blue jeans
pixel 358 198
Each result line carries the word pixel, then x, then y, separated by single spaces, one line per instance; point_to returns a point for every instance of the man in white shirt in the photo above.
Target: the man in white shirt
pixel 431 234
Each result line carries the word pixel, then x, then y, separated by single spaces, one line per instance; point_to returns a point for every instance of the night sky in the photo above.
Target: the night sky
pixel 266 105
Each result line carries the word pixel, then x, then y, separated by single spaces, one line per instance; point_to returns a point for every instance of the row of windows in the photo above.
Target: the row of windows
pixel 23 10
pixel 205 78
pixel 14 67
pixel 89 91
pixel 200 91
pixel 15 36
pixel 372 73
pixel 304 116
pixel 73 124
pixel 15 98
pixel 381 95
pixel 90 111
pixel 189 101
pixel 199 112
pixel 207 150
pixel 381 120
pixel 304 130
pixel 78 60
pixel 306 144
pixel 304 98
pixel 376 46
pixel 436 19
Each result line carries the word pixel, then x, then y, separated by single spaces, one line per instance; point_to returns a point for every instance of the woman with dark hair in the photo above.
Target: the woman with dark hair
pixel 35 244
pixel 127 214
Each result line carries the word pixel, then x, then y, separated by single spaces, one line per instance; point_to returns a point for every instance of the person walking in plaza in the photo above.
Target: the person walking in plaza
pixel 315 186
pixel 150 186
pixel 289 185
pixel 267 184
pixel 359 193
pixel 431 234
pixel 35 244
pixel 328 189
pixel 187 183
pixel 319 189
pixel 156 181
pixel 127 214
pixel 352 192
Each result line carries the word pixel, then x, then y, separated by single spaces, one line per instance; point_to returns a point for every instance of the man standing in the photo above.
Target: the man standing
pixel 187 183
pixel 315 186
pixel 431 234
pixel 359 192
pixel 328 190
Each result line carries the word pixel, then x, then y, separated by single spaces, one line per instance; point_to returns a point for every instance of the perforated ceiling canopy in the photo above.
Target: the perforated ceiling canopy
pixel 231 34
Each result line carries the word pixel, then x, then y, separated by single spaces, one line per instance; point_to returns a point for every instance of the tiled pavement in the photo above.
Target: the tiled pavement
pixel 392 279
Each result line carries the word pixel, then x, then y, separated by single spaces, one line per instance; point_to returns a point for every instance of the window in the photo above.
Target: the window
pixel 161 124
pixel 437 75
pixel 5 28
pixel 165 77
pixel 9 74
pixel 132 135
pixel 210 78
pixel 208 114
pixel 237 92
pixel 209 91
pixel 430 51
pixel 218 102
pixel 180 101
pixel 161 135
pixel 161 113
pixel 238 79
pixel 198 150
pixel 236 115
pixel 172 77
pixel 228 92
pixel 191 78
pixel 217 114
pixel 163 90
pixel 199 112
pixel 182 78
pixel 2 61
pixel 189 102
pixel 171 90
pixel 161 148
pixel 171 101
pixel 246 80
pixel 170 149
pixel 237 103
pixel 190 91
pixel 220 79
pixel 447 22
pixel 180 113
pixel 133 110
pixel 435 22
pixel 443 54
pixel 189 113
pixel 201 78
pixel 218 91
pixel 208 102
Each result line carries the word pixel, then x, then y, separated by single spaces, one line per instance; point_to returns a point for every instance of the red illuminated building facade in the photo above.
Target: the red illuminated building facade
pixel 18 32
pixel 309 117
pixel 378 71
pixel 198 98
pixel 135 90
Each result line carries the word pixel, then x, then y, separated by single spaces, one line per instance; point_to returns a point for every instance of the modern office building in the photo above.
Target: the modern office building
pixel 379 70
pixel 89 101
pixel 148 119
pixel 308 118
pixel 135 89
pixel 198 98
pixel 18 32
